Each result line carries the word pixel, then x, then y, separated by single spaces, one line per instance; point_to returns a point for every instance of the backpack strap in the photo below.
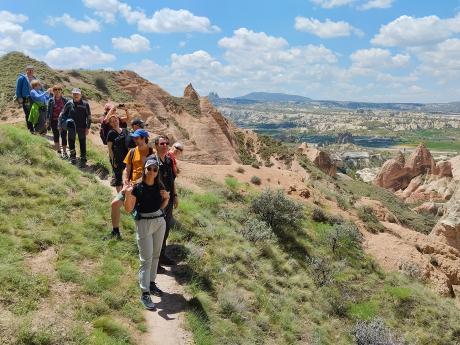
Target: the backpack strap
pixel 131 157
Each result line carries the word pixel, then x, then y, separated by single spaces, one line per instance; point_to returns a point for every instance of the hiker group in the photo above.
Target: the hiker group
pixel 143 176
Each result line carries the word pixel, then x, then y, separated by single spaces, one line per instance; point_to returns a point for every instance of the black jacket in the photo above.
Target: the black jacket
pixel 79 112
pixel 51 107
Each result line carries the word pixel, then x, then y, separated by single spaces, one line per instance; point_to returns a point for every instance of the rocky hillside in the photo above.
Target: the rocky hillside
pixel 208 136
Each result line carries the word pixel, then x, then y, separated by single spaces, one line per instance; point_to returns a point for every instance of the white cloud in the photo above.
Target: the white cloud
pixel 85 26
pixel 376 4
pixel 77 57
pixel 14 37
pixel 326 29
pixel 442 61
pixel 407 31
pixel 106 9
pixel 378 58
pixel 133 44
pixel 332 3
pixel 148 69
pixel 167 20
pixel 6 16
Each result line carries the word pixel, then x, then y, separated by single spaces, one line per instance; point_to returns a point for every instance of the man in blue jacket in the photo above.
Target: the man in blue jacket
pixel 23 93
pixel 76 119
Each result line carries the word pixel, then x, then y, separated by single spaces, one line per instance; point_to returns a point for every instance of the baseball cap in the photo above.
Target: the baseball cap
pixel 140 133
pixel 137 122
pixel 178 146
pixel 151 161
pixel 108 106
pixel 76 90
pixel 29 67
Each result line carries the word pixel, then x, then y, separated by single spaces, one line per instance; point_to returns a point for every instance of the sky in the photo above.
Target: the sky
pixel 359 50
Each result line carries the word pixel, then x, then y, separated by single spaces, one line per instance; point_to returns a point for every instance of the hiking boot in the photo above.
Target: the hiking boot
pixel 65 156
pixel 82 164
pixel 154 290
pixel 167 261
pixel 146 300
pixel 73 160
pixel 114 235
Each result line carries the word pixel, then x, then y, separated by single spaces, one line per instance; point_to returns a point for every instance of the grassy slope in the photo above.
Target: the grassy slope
pixel 45 202
pixel 267 292
pixel 12 64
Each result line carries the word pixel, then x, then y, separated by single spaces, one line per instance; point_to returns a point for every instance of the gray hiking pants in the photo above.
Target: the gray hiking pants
pixel 149 236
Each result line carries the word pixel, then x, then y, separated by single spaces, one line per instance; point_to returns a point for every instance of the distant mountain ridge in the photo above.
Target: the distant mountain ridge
pixel 274 97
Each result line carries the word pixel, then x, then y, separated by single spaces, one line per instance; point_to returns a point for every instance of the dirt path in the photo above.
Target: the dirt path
pixel 166 326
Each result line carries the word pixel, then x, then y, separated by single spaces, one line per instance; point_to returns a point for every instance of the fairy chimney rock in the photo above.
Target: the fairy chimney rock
pixel 191 93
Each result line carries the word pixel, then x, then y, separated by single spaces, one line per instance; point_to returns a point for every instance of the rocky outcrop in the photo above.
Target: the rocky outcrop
pixel 320 158
pixel 419 178
pixel 393 175
pixel 447 230
pixel 420 162
pixel 190 93
pixel 434 208
pixel 344 138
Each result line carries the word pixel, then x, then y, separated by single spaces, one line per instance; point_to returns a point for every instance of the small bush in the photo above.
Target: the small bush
pixel 277 210
pixel 366 214
pixel 256 180
pixel 318 215
pixel 342 202
pixel 240 170
pixel 255 165
pixel 344 238
pixel 322 271
pixel 74 73
pixel 101 84
pixel 256 230
pixel 412 270
pixel 374 332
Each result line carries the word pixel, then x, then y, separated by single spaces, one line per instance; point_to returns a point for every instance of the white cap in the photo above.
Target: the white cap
pixel 76 90
pixel 178 146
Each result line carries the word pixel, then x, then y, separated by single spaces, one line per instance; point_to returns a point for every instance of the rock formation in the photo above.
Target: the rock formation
pixel 447 229
pixel 190 93
pixel 393 175
pixel 405 176
pixel 320 158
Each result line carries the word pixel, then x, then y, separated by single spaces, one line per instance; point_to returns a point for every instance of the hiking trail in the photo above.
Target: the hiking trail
pixel 166 325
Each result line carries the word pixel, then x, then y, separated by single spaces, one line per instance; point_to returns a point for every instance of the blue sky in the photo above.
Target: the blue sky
pixel 368 50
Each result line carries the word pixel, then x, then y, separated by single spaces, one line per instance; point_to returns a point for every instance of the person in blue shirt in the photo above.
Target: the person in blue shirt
pixel 23 93
pixel 37 95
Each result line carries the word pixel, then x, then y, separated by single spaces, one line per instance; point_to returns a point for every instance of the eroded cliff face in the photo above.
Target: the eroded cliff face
pixel 206 134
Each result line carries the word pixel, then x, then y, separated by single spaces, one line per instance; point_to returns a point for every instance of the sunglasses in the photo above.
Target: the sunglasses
pixel 164 144
pixel 57 89
pixel 178 149
pixel 152 168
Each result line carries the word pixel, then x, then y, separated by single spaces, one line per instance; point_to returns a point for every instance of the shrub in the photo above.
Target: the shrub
pixel 240 170
pixel 74 73
pixel 412 270
pixel 342 202
pixel 366 214
pixel 255 165
pixel 277 210
pixel 318 215
pixel 101 84
pixel 322 271
pixel 344 238
pixel 374 332
pixel 256 230
pixel 256 180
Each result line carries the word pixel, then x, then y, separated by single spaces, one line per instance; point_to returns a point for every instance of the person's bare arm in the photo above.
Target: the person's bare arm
pixel 165 196
pixel 126 173
pixel 110 148
pixel 130 199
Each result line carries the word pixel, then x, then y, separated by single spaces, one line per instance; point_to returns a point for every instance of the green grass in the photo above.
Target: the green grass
pixel 434 139
pixel 264 292
pixel 91 82
pixel 46 202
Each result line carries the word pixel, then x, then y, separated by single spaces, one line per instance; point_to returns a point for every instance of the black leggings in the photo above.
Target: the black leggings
pixel 26 108
pixel 72 134
pixel 55 129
